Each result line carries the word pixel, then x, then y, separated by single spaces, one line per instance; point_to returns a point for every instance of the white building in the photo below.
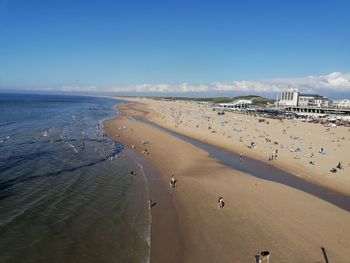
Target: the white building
pixel 294 98
pixel 238 104
pixel 288 98
pixel 313 100
pixel 341 103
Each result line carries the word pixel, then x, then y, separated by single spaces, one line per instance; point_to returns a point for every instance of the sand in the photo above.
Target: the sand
pixel 258 215
pixel 298 142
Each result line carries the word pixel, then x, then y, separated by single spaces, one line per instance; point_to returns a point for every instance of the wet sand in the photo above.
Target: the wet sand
pixel 164 221
pixel 259 214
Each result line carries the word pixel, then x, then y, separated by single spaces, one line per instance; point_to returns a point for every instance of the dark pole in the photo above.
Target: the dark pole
pixel 324 254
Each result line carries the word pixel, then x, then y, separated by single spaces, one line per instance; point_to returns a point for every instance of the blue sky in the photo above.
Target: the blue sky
pixel 127 45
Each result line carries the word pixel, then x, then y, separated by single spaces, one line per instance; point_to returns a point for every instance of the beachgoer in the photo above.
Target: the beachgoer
pixel 266 256
pixel 221 202
pixel 257 257
pixel 173 182
pixel 340 166
pixel 240 157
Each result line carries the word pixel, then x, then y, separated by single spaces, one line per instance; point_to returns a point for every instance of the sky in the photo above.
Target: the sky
pixel 178 46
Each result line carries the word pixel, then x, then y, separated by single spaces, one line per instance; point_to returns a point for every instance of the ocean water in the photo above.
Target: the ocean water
pixel 60 201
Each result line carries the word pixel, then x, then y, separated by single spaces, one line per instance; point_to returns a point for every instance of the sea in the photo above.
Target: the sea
pixel 65 190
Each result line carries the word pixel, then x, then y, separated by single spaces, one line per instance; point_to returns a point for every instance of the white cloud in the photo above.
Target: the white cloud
pixel 143 88
pixel 336 81
pixel 193 88
pixel 162 88
pixel 78 89
pixel 246 86
pixel 333 82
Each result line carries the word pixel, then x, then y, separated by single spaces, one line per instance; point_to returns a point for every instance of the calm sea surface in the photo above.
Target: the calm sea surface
pixel 60 201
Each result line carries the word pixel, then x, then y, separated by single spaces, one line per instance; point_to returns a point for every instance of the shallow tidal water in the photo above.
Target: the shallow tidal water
pixel 59 201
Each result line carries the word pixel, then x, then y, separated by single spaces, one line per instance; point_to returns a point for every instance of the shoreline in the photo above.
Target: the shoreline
pixel 158 190
pixel 259 215
pixel 165 245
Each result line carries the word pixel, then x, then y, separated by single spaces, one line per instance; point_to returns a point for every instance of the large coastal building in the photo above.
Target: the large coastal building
pixel 341 104
pixel 293 98
pixel 288 98
pixel 313 104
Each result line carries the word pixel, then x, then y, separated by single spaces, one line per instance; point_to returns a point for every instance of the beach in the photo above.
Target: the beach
pixel 258 214
pixel 174 131
pixel 297 143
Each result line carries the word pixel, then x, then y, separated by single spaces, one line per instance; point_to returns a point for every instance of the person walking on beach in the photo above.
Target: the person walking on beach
pixel 257 257
pixel 173 182
pixel 240 157
pixel 265 256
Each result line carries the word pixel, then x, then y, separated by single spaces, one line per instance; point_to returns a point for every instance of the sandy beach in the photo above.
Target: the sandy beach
pixel 297 143
pixel 258 214
pixel 174 131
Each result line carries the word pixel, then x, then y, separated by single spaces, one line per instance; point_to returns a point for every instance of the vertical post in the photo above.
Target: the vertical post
pixel 324 255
